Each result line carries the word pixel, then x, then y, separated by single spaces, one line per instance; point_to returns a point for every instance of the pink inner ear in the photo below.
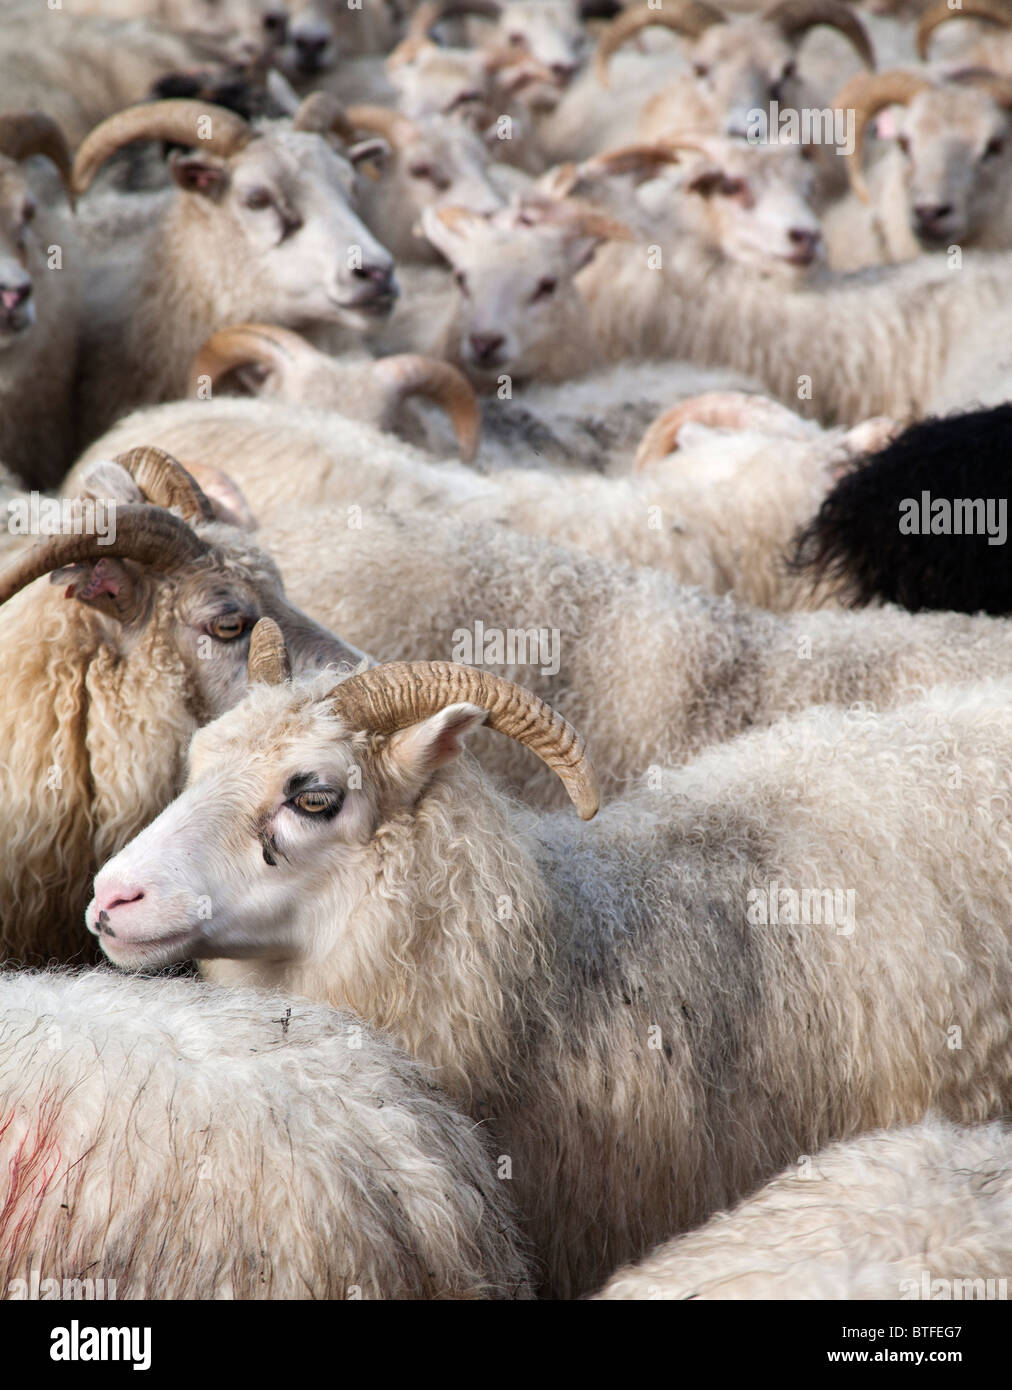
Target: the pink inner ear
pixel 104 579
pixel 203 179
pixel 885 125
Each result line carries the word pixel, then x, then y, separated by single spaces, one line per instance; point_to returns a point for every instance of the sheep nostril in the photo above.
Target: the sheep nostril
pixel 123 900
pixel 485 345
pixel 562 72
pixel 276 24
pixel 12 297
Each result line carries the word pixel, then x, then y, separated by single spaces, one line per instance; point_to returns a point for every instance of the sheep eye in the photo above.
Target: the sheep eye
pixel 732 188
pixel 994 147
pixel 546 287
pixel 421 171
pixel 788 72
pixel 903 143
pixel 257 199
pixel 517 40
pixel 700 69
pixel 227 627
pixel 29 210
pixel 318 803
pixel 461 280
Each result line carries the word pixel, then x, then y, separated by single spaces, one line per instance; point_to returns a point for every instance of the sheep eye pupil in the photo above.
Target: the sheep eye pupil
pixel 994 147
pixel 227 629
pixel 318 803
pixel 257 200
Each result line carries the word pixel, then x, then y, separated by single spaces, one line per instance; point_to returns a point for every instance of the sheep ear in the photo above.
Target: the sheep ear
pixel 419 750
pixel 109 481
pixel 197 173
pixel 105 584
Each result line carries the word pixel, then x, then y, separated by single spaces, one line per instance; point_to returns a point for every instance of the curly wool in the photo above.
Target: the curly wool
pixel 854 545
pixel 190 1142
pixel 881 1217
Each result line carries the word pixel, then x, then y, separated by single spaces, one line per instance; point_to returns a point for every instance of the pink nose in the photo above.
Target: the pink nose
pixel 109 899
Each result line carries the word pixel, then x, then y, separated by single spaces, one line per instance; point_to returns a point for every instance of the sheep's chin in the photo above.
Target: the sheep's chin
pixel 152 953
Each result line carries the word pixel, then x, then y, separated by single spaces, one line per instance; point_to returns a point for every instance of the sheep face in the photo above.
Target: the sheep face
pixel 311 43
pixel 238 31
pixel 514 282
pixel 957 151
pixel 739 68
pixel 283 206
pixel 549 32
pixel 436 81
pixel 277 837
pixel 753 204
pixel 21 254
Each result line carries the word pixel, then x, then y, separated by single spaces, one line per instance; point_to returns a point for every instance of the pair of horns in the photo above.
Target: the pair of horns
pixel 728 410
pixel 402 693
pixel 868 93
pixel 690 18
pixel 197 124
pixel 24 134
pixel 145 532
pixel 399 376
pixel 992 11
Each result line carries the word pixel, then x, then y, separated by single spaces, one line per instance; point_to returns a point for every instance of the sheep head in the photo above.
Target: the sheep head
pixel 167 584
pixel 294 796
pixel 739 67
pixel 956 144
pixel 22 253
pixel 273 361
pixel 514 273
pixel 237 31
pixel 280 197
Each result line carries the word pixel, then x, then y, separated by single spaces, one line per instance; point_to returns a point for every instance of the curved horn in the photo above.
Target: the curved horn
pixel 432 12
pixel 267 663
pixel 572 215
pixel 866 94
pixel 402 693
pixel 732 410
pixel 686 17
pixel 994 11
pixel 794 18
pixel 398 130
pixel 27 133
pixel 150 535
pixel 322 114
pixel 178 120
pixel 265 344
pixel 410 374
pixel 165 482
pixel 630 159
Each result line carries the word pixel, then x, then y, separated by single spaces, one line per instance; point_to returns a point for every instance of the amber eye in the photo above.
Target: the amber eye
pixel 227 627
pixel 312 802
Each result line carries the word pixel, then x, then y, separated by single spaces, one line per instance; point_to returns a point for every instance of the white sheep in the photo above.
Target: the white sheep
pixel 921 1212
pixel 39 287
pixel 259 226
pixel 169 1140
pixel 107 677
pixel 749 958
pixel 982 44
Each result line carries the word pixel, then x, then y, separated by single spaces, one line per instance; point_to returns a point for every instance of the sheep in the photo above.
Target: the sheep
pixel 433 161
pixel 596 426
pixel 738 68
pixel 171 1140
pixel 646 1035
pixel 277 363
pixel 720 518
pixel 595 639
pixel 944 183
pixel 80 71
pixel 845 347
pixel 234 30
pixel 104 683
pixel 985 49
pixel 38 303
pixel 919 1212
pixel 321 31
pixel 922 522
pixel 259 226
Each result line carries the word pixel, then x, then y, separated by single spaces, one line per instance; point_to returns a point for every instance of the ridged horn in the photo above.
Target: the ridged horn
pixel 396 129
pixel 321 113
pixel 267 662
pixel 402 693
pixel 629 159
pixel 27 133
pixel 866 94
pixel 410 374
pixel 166 483
pixel 265 344
pixel 998 88
pixel 735 410
pixel 794 18
pixel 686 17
pixel 177 120
pixel 144 533
pixel 992 11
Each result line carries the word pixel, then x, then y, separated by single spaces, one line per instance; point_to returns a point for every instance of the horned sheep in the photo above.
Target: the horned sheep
pixel 647 1019
pixel 167 1139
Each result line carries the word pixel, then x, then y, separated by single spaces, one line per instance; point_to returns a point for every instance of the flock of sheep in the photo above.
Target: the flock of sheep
pixel 421 422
